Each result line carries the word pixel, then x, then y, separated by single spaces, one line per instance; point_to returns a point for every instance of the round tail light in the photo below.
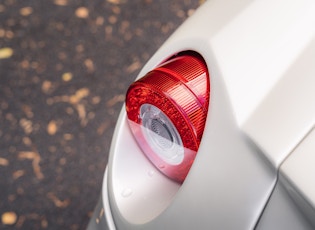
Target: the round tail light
pixel 167 109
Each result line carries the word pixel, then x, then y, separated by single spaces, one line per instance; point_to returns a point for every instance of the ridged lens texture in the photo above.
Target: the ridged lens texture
pixel 180 89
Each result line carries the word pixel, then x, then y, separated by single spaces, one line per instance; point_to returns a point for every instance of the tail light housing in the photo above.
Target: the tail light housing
pixel 167 109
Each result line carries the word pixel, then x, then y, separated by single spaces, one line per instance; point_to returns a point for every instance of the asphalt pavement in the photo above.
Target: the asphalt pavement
pixel 65 66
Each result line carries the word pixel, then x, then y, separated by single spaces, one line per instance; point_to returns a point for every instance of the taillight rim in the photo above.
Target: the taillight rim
pixel 171 90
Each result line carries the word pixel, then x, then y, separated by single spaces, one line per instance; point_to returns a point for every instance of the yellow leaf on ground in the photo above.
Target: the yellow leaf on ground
pixel 9 218
pixel 114 1
pixel 17 174
pixel 25 11
pixel 67 76
pixel 61 2
pixel 116 99
pixel 89 65
pixel 47 86
pixel 79 95
pixel 35 157
pixel 133 67
pixel 4 162
pixel 58 203
pixel 82 12
pixel 52 127
pixel 27 125
pixel 6 52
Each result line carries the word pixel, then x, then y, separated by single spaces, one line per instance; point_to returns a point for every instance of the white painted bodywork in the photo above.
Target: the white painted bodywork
pixel 261 59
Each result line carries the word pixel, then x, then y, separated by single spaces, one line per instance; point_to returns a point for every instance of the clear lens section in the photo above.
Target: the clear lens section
pixel 161 134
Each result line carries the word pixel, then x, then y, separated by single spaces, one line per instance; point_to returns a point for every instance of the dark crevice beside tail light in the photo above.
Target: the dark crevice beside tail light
pixel 167 110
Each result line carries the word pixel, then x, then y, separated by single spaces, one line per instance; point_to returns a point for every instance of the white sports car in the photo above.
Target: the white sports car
pixel 217 132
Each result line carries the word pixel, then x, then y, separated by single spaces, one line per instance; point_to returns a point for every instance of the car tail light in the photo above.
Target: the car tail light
pixel 167 109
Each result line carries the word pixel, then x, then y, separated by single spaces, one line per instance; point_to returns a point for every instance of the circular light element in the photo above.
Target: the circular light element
pixel 161 134
pixel 167 109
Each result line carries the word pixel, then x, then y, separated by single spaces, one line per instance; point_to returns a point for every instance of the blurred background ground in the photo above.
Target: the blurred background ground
pixel 65 66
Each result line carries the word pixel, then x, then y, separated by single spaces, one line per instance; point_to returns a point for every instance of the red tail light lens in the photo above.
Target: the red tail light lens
pixel 167 109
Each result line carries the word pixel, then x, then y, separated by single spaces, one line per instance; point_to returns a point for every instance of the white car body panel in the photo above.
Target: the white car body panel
pixel 261 59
